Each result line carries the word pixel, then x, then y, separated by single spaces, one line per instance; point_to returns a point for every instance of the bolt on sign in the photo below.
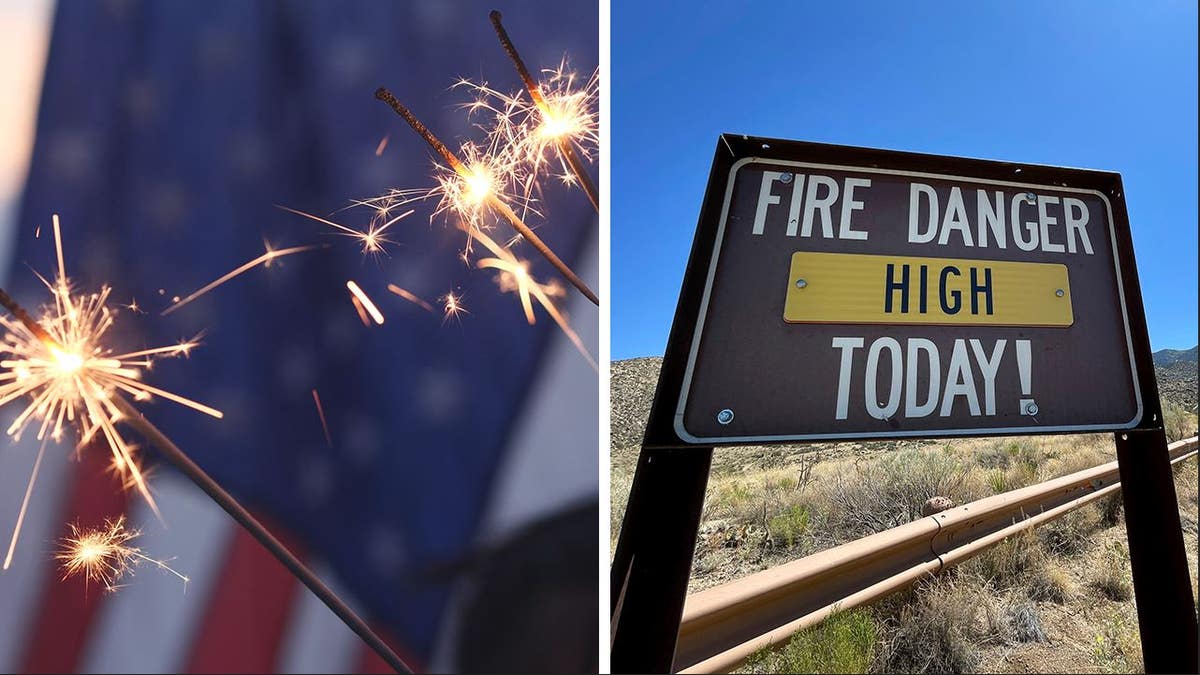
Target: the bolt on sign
pixel 854 293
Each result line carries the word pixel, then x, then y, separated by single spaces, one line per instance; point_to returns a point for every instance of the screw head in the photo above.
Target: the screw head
pixel 725 416
pixel 1031 408
pixel 1059 292
pixel 1030 198
pixel 785 178
pixel 801 283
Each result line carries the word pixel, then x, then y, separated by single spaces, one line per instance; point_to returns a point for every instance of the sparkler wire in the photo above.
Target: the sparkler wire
pixel 239 513
pixel 535 93
pixel 495 202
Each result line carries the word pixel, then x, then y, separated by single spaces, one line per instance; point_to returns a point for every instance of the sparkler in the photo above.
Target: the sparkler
pixel 63 364
pixel 104 555
pixel 474 186
pixel 564 113
pixel 72 378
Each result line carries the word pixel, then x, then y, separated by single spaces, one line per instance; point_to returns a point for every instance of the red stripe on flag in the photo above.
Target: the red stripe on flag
pixel 68 606
pixel 247 617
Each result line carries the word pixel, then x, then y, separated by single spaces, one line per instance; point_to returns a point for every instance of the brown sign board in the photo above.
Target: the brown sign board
pixel 849 293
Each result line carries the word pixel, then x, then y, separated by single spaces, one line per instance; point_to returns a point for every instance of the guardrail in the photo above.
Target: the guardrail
pixel 723 626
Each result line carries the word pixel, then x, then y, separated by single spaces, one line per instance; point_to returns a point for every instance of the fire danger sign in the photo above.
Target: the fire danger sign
pixel 844 300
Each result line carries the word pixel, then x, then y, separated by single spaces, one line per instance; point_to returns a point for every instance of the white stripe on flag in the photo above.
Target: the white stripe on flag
pixel 316 640
pixel 21 584
pixel 148 625
pixel 550 462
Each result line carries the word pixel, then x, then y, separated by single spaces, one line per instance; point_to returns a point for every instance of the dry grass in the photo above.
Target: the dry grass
pixel 1112 578
pixel 937 633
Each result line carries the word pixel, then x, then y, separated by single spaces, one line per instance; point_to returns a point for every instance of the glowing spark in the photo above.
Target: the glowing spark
pixel 366 302
pixel 382 144
pixel 321 414
pixel 60 362
pixel 37 234
pixel 264 259
pixel 514 276
pixel 410 297
pixel 362 313
pixel 373 240
pixel 452 306
pixel 520 274
pixel 104 555
pixel 12 544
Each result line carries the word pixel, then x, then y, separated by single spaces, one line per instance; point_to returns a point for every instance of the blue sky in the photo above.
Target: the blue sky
pixel 1094 85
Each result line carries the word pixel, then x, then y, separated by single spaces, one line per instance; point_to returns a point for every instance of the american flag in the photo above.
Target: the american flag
pixel 458 499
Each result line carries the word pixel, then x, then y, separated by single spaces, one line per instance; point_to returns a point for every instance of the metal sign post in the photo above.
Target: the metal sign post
pixel 850 293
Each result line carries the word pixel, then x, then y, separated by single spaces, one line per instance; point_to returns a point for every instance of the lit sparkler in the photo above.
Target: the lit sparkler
pixel 105 555
pixel 72 378
pixel 62 363
pixel 560 113
pixel 467 187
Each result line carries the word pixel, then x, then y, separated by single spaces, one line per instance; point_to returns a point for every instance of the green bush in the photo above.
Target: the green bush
pixel 788 527
pixel 1117 647
pixel 843 643
pixel 1178 422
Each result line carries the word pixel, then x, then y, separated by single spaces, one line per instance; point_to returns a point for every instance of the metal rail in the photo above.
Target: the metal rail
pixel 723 626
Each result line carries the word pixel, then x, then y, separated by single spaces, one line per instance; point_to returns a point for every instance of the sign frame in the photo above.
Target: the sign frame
pixel 665 426
pixel 652 561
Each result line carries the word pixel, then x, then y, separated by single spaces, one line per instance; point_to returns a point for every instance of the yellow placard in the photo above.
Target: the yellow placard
pixel 888 289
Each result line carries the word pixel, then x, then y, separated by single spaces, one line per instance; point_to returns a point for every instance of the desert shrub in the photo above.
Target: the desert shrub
pixel 1118 647
pixel 1022 623
pixel 1112 577
pixel 1187 483
pixel 1111 508
pixel 890 491
pixel 1008 564
pixel 1069 534
pixel 734 500
pixel 843 643
pixel 1178 422
pixel 789 527
pixel 937 633
pixel 1050 583
pixel 997 480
